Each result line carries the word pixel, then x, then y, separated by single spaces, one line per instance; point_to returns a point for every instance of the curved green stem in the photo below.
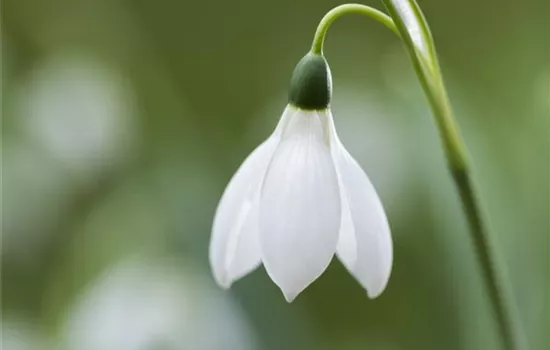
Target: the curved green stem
pixel 408 22
pixel 339 11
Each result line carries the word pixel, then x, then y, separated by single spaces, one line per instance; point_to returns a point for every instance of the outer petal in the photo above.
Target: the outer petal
pixel 300 205
pixel 365 245
pixel 234 246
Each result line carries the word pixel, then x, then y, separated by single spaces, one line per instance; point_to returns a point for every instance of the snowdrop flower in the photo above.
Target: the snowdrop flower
pixel 299 198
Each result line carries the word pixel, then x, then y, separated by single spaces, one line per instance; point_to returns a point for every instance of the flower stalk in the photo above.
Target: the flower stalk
pixel 407 21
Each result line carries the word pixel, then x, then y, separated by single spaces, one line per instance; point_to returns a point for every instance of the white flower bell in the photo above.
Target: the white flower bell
pixel 299 198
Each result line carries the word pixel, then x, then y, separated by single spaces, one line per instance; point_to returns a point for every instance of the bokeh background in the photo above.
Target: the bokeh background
pixel 123 120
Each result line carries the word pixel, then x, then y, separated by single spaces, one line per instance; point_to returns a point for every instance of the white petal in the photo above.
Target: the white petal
pixel 234 246
pixel 365 245
pixel 300 205
pixel 347 245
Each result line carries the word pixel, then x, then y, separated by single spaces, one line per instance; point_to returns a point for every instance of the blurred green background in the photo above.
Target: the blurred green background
pixel 123 120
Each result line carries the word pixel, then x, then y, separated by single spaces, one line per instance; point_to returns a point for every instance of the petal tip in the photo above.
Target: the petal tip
pixel 223 281
pixel 374 293
pixel 290 296
pixel 226 285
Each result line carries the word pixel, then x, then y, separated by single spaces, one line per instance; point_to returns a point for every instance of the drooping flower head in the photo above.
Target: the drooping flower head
pixel 299 198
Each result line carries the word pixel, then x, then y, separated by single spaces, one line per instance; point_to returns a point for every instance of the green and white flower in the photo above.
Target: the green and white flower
pixel 299 198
